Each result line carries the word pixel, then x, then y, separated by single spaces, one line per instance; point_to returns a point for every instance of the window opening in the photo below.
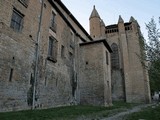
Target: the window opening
pixel 52 50
pixel 114 56
pixel 17 20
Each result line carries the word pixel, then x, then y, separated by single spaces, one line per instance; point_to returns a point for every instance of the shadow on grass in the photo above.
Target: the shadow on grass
pixel 149 113
pixel 65 113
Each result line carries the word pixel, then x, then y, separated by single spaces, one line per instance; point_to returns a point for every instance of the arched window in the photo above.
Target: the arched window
pixel 114 56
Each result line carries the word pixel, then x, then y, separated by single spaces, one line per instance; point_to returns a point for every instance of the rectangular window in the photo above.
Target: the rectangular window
pixel 53 23
pixel 52 50
pixel 24 2
pixel 17 20
pixel 106 57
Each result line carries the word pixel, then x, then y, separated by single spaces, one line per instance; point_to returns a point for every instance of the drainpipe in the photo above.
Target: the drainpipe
pixel 37 55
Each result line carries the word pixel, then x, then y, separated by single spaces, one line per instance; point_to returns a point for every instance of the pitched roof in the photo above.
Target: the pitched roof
pixel 98 41
pixel 70 14
pixel 132 19
pixel 94 13
pixel 120 20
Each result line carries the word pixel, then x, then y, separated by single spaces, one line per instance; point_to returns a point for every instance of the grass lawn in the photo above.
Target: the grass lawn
pixel 66 113
pixel 150 113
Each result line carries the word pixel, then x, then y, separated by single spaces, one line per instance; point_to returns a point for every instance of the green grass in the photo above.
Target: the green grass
pixel 148 113
pixel 116 108
pixel 65 113
pixel 122 104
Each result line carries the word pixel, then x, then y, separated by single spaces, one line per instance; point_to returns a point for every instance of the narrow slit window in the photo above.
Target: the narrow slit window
pixel 107 58
pixel 11 75
pixel 62 51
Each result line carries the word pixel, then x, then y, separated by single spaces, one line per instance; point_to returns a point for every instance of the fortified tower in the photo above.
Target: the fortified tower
pixel 129 79
pixel 97 26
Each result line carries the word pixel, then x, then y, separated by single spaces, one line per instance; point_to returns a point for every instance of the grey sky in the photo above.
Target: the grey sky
pixel 109 11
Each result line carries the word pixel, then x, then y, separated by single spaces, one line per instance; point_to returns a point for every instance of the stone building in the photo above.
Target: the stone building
pixel 95 75
pixel 47 59
pixel 129 79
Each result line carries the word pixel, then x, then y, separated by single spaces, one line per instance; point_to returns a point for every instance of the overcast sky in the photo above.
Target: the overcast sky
pixel 109 11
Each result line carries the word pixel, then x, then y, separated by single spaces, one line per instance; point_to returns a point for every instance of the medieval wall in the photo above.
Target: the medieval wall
pixel 132 86
pixel 70 18
pixel 66 73
pixel 129 78
pixel 118 92
pixel 95 82
pixel 17 53
pixel 138 76
pixel 56 78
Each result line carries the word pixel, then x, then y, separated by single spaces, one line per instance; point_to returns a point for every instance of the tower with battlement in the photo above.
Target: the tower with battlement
pixel 47 59
pixel 128 77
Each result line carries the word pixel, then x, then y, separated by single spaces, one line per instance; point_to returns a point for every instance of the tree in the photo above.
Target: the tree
pixel 152 48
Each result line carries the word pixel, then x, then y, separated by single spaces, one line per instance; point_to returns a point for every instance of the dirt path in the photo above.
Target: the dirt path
pixel 120 115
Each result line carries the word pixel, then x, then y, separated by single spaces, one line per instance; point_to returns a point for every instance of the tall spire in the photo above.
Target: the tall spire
pixel 94 13
pixel 132 19
pixel 120 20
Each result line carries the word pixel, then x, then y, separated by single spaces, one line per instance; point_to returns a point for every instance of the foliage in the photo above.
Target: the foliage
pixel 153 54
pixel 153 46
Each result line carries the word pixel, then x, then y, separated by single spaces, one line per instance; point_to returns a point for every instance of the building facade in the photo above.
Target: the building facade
pixel 128 76
pixel 47 59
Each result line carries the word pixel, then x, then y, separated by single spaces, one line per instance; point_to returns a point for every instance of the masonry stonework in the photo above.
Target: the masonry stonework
pixel 129 78
pixel 47 59
pixel 95 81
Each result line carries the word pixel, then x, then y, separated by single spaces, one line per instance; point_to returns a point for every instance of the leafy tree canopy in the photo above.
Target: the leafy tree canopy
pixel 152 47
